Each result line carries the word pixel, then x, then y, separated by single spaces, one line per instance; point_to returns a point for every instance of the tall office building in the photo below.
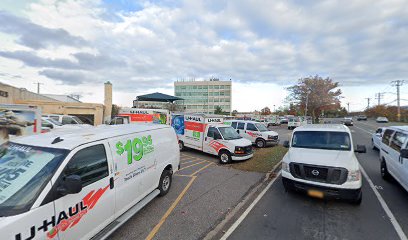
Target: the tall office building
pixel 204 96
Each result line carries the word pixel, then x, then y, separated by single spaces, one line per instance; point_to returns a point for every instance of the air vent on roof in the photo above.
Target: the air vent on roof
pixel 57 140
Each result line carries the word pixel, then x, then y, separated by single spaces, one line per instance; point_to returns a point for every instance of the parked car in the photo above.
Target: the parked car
pixel 283 120
pixel 294 122
pixel 83 183
pixel 50 123
pixel 361 118
pixel 376 138
pixel 255 132
pixel 348 121
pixel 394 154
pixel 321 162
pixel 64 119
pixel 382 120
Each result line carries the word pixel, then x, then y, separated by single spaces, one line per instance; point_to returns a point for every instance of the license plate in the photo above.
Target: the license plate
pixel 315 193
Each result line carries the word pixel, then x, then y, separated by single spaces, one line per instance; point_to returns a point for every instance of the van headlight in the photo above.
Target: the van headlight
pixel 285 167
pixel 354 176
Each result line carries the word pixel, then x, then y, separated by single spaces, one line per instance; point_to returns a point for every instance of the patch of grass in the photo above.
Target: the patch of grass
pixel 263 161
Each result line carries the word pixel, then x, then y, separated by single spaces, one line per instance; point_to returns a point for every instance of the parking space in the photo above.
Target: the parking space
pixel 202 193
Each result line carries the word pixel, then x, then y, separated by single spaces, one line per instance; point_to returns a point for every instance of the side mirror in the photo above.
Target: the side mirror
pixel 70 185
pixel 360 149
pixel 286 144
pixel 215 137
pixel 238 131
pixel 404 153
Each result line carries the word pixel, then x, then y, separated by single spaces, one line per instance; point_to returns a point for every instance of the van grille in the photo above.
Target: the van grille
pixel 316 173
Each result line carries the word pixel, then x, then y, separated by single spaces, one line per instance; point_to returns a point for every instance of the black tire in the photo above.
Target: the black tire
pixel 358 200
pixel 181 146
pixel 373 146
pixel 260 143
pixel 384 171
pixel 165 182
pixel 224 157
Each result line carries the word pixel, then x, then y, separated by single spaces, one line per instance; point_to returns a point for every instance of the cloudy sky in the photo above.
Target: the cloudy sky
pixel 262 45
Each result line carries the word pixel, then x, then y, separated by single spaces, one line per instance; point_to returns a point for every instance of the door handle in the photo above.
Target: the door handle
pixel 400 160
pixel 111 183
pixel 384 150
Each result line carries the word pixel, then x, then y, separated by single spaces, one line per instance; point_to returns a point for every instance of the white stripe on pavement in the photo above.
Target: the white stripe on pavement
pixel 384 205
pixel 243 216
pixel 364 130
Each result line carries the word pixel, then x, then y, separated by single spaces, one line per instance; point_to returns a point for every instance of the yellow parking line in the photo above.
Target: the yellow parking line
pixel 199 170
pixel 172 207
pixel 191 156
pixel 190 161
pixel 192 165
pixel 181 175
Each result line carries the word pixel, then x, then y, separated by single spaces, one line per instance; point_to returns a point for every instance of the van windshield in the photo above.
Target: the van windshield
pixel 228 133
pixel 261 127
pixel 322 140
pixel 24 172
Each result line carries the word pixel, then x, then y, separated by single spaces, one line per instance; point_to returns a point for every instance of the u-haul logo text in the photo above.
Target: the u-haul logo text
pixel 214 120
pixel 193 118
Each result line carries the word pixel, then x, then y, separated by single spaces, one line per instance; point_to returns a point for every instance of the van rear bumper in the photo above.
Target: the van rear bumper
pixel 329 192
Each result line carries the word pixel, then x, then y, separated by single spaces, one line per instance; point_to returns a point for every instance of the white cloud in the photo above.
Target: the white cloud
pixel 261 45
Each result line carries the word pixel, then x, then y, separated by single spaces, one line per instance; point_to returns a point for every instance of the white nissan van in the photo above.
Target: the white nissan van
pixel 321 162
pixel 85 183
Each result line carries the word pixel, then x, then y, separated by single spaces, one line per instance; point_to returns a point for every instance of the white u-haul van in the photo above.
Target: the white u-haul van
pixel 208 134
pixel 83 184
pixel 255 132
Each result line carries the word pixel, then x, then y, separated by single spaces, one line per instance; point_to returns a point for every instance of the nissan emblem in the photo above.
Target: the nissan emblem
pixel 315 172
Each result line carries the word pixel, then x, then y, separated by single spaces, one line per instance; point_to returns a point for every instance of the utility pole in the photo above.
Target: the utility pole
pixel 38 86
pixel 348 107
pixel 368 102
pixel 378 96
pixel 398 84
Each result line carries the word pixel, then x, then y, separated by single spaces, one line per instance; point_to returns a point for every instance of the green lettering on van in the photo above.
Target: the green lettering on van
pixel 196 134
pixel 136 148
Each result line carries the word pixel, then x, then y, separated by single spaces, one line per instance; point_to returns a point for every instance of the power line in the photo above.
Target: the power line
pixel 398 84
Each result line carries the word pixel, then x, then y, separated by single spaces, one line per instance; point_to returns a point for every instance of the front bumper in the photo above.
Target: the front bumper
pixel 272 142
pixel 329 192
pixel 241 157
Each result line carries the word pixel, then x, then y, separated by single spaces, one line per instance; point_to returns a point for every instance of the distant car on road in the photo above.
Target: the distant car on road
pixel 283 120
pixel 376 138
pixel 361 118
pixel 382 120
pixel 348 121
pixel 294 122
pixel 321 162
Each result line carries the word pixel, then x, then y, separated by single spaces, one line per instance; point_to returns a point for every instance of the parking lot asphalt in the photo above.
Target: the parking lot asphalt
pixel 201 195
pixel 288 215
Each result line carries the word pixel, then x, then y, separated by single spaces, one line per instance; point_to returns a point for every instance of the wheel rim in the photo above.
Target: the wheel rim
pixel 260 144
pixel 224 158
pixel 166 183
pixel 180 146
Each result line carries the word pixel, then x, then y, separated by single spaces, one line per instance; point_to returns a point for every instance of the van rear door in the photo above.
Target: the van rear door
pixel 82 215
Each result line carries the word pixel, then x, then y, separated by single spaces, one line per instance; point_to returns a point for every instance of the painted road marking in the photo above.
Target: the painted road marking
pixel 178 199
pixel 192 165
pixel 191 161
pixel 384 205
pixel 248 210
pixel 364 130
pixel 199 170
pixel 170 210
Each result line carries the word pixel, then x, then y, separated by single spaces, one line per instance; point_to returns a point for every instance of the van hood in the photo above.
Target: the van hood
pixel 271 133
pixel 242 142
pixel 333 158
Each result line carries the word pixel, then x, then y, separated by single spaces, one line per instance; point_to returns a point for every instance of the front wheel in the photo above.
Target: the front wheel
pixel 384 171
pixel 165 182
pixel 225 157
pixel 260 143
pixel 181 146
pixel 358 199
